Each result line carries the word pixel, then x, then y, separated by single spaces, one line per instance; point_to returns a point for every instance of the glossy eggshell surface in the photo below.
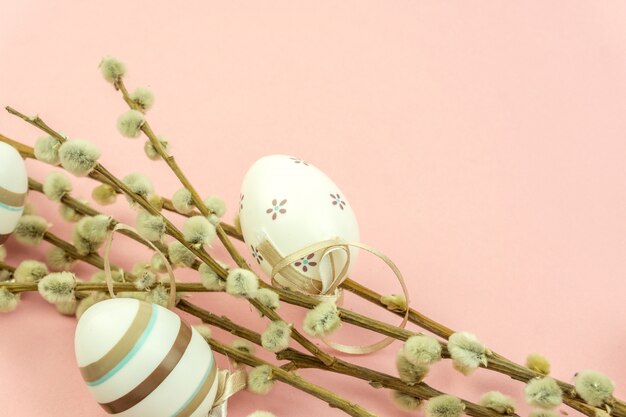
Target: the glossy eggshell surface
pixel 292 204
pixel 140 359
pixel 13 189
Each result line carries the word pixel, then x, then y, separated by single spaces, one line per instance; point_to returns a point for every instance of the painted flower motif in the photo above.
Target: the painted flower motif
pixel 337 201
pixel 306 262
pixel 241 197
pixel 256 254
pixel 277 208
pixel 298 161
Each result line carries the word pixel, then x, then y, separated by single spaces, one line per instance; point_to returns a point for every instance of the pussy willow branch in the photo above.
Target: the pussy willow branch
pixel 182 287
pixel 294 380
pixel 28 152
pixel 496 362
pixel 224 323
pixel 173 231
pixel 347 316
pixel 374 378
pixel 86 210
pixel 286 296
pixel 415 317
pixel 92 258
pixel 171 162
pixel 332 399
pixel 207 259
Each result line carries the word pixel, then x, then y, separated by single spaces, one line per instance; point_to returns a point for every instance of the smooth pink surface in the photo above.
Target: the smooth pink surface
pixel 481 144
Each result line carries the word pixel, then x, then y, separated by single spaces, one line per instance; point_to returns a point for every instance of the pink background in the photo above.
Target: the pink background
pixel 481 145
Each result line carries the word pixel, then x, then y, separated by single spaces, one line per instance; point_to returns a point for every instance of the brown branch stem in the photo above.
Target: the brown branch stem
pixel 173 231
pixel 279 374
pixel 29 153
pixel 497 362
pixel 178 172
pixel 182 287
pixel 301 360
pixel 294 380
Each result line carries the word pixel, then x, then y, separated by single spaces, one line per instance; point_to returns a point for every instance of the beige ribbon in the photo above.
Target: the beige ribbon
pixel 228 384
pixel 171 302
pixel 328 246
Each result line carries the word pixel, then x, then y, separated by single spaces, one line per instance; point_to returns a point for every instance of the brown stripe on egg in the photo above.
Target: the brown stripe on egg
pixel 11 198
pixel 104 365
pixel 201 394
pixel 162 371
pixel 3 238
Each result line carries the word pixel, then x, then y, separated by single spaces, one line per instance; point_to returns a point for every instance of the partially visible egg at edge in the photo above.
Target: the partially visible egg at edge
pixel 13 189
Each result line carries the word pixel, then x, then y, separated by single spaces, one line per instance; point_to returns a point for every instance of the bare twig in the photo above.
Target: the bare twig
pixel 301 360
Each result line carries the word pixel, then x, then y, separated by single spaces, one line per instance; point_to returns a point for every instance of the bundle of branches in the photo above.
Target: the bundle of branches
pixel 294 349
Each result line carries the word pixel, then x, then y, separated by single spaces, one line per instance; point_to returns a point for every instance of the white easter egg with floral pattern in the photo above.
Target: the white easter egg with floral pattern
pixel 287 204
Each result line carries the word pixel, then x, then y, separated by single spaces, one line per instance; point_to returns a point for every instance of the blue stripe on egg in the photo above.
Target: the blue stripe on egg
pixel 132 353
pixel 10 208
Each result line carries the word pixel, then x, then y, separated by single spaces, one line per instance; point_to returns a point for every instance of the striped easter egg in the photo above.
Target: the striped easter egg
pixel 140 359
pixel 13 189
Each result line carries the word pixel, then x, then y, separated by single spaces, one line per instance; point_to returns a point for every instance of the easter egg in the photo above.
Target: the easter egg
pixel 286 205
pixel 140 359
pixel 13 189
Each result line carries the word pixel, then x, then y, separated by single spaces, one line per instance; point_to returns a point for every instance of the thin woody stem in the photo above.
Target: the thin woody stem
pixel 173 231
pixel 207 259
pixel 277 373
pixel 92 258
pixel 301 360
pixel 294 380
pixel 15 287
pixel 171 162
pixel 415 316
pixel 28 152
pixel 86 210
pixel 496 362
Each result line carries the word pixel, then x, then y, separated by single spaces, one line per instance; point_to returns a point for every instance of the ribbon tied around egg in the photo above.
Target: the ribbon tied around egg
pixel 285 275
pixel 303 233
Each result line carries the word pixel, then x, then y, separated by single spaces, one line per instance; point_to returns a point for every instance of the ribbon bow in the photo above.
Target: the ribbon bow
pixel 290 278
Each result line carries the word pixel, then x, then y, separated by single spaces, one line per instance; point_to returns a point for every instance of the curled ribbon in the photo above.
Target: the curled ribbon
pixel 307 285
pixel 228 384
pixel 171 302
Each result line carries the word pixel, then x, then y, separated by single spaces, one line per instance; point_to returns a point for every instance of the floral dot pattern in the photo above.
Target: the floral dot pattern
pixel 299 161
pixel 338 201
pixel 256 254
pixel 277 208
pixel 306 262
